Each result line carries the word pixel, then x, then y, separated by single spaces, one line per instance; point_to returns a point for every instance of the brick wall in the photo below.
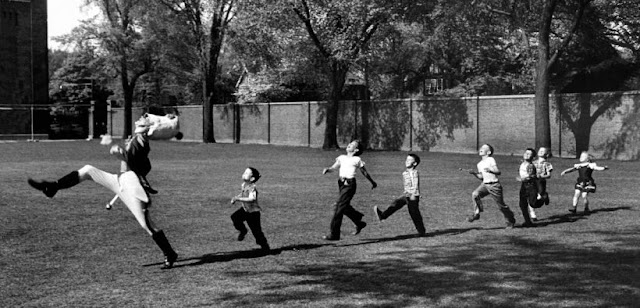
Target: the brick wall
pixel 457 125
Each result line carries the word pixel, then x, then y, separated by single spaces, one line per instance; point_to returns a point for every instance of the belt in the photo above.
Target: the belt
pixel 489 183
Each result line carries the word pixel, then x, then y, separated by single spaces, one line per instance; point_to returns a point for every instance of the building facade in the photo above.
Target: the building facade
pixel 24 76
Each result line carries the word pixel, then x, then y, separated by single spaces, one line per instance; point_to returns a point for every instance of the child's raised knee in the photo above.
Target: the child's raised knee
pixel 475 195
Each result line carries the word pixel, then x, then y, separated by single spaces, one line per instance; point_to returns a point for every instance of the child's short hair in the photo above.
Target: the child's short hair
pixel 490 148
pixel 533 152
pixel 359 151
pixel 255 173
pixel 585 157
pixel 416 158
pixel 546 152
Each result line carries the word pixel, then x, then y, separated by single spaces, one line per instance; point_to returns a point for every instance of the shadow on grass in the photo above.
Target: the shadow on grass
pixel 242 254
pixel 499 271
pixel 453 231
pixel 570 218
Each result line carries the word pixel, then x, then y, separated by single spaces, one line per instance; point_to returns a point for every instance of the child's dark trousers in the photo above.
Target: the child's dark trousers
pixel 253 221
pixel 343 207
pixel 412 206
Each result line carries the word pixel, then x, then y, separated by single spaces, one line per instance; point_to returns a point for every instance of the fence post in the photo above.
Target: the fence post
pixel 236 138
pixel 477 121
pixel 110 118
pixel 33 138
pixel 355 118
pixel 309 124
pixel 559 131
pixel 410 124
pixel 269 122
pixel 91 123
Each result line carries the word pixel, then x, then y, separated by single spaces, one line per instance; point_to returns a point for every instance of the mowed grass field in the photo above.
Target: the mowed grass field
pixel 70 252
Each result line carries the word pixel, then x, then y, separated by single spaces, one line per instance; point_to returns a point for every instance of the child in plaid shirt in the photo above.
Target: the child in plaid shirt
pixel 411 197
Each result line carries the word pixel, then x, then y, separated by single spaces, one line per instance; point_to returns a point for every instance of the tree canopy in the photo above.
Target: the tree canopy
pixel 199 52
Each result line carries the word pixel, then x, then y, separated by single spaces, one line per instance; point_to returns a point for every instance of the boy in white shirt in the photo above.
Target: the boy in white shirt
pixel 410 198
pixel 488 173
pixel 347 165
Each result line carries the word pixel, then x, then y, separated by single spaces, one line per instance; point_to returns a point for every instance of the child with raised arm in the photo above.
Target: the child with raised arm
pixel 250 210
pixel 127 184
pixel 585 183
pixel 347 165
pixel 410 198
pixel 543 172
pixel 527 175
pixel 487 172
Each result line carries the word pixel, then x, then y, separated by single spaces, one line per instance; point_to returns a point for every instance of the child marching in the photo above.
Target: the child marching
pixel 543 172
pixel 250 210
pixel 584 183
pixel 347 164
pixel 527 175
pixel 487 172
pixel 410 198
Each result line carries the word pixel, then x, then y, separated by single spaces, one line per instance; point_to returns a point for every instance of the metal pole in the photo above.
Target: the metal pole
pixel 309 124
pixel 559 133
pixel 410 124
pixel 109 108
pixel 33 95
pixel 233 110
pixel 32 135
pixel 477 121
pixel 269 122
pixel 355 118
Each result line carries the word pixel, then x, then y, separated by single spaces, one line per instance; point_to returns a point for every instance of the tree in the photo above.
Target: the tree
pixel 546 20
pixel 340 31
pixel 546 59
pixel 208 43
pixel 593 64
pixel 129 49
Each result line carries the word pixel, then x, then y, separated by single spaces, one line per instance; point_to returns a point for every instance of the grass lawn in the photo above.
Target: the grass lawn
pixel 70 252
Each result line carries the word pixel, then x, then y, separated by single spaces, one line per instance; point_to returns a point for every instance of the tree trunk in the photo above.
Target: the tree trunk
pixel 210 77
pixel 365 107
pixel 338 76
pixel 128 100
pixel 542 122
pixel 582 135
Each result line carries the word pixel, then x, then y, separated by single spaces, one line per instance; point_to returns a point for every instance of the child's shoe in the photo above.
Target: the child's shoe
pixel 242 235
pixel 330 238
pixel 360 227
pixel 378 213
pixel 473 217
